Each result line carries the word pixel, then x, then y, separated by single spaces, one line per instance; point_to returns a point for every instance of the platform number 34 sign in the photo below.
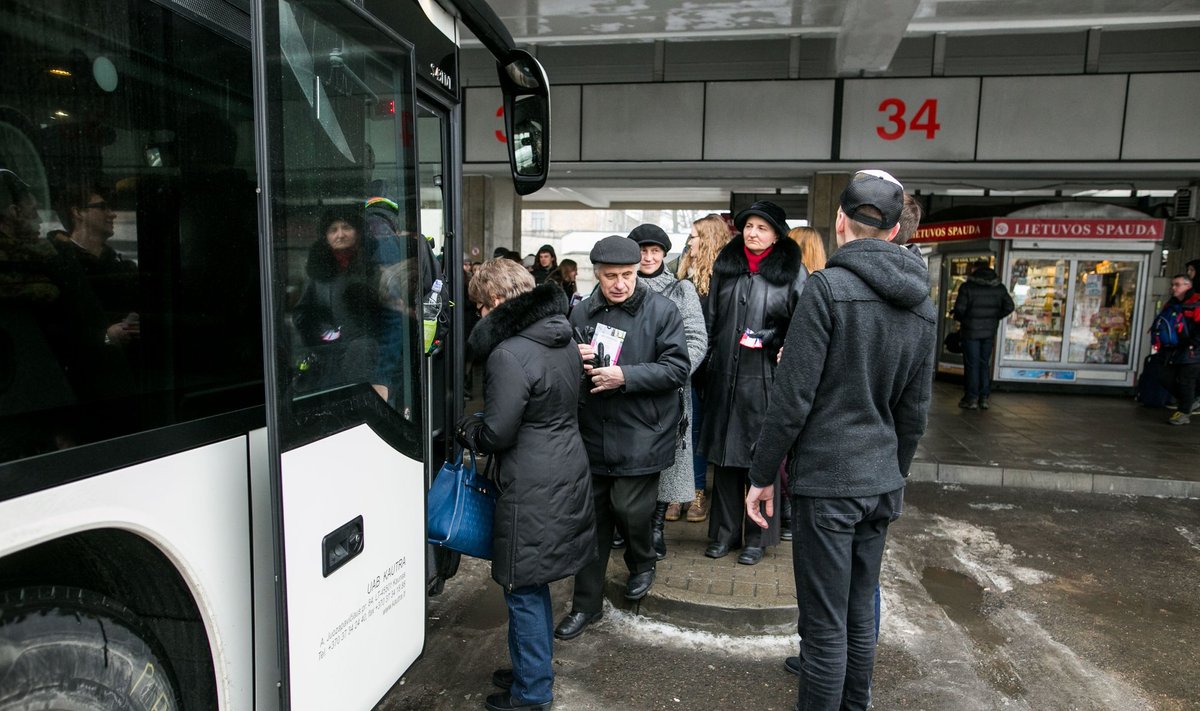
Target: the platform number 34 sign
pixel 898 122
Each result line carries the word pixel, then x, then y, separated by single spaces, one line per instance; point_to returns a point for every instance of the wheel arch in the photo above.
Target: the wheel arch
pixel 132 570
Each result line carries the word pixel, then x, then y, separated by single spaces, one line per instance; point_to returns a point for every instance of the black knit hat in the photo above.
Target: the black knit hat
pixel 769 211
pixel 616 249
pixel 651 234
pixel 876 189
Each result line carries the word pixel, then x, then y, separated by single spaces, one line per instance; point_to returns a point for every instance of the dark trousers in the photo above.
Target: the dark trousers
pixel 977 364
pixel 699 462
pixel 728 522
pixel 1180 380
pixel 531 643
pixel 628 503
pixel 837 550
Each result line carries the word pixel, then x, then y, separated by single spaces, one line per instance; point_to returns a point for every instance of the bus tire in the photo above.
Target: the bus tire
pixel 69 649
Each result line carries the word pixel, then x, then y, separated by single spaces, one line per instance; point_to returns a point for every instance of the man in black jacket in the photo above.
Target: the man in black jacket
pixel 635 361
pixel 982 301
pixel 848 407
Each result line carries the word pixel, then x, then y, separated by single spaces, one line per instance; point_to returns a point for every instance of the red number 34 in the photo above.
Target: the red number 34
pixel 924 120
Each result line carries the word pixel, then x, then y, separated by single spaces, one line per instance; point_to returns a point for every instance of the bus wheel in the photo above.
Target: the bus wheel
pixel 74 650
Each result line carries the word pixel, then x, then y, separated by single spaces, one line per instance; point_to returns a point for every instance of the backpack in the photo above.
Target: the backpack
pixel 1170 328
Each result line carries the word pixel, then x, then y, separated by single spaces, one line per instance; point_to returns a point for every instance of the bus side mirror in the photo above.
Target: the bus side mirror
pixel 526 120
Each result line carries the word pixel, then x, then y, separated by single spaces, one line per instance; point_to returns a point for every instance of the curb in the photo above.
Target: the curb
pixel 1052 480
pixel 664 604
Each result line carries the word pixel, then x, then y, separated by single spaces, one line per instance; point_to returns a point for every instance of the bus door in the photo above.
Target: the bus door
pixel 342 257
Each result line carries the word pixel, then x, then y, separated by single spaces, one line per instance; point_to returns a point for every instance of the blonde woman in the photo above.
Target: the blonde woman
pixel 708 237
pixel 812 247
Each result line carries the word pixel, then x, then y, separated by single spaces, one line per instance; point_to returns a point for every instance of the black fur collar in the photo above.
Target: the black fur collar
pixel 631 305
pixel 513 316
pixel 781 266
pixel 322 265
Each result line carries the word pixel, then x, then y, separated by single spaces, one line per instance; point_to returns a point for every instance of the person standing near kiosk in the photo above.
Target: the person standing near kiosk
pixel 982 301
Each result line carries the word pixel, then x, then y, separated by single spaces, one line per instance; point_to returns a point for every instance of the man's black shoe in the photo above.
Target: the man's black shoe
pixel 502 678
pixel 751 555
pixel 716 550
pixel 618 540
pixel 505 702
pixel 792 664
pixel 639 584
pixel 574 623
pixel 968 404
pixel 983 403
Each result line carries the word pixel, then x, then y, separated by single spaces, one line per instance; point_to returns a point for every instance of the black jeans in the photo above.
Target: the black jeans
pixel 1180 380
pixel 837 549
pixel 628 502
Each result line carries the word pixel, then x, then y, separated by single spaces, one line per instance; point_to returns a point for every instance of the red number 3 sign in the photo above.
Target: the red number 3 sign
pixel 924 120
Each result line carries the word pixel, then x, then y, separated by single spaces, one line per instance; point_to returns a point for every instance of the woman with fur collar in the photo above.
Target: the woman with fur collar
pixel 545 525
pixel 337 315
pixel 756 283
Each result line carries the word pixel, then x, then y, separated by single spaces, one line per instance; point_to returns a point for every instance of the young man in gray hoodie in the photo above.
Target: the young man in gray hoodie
pixel 848 406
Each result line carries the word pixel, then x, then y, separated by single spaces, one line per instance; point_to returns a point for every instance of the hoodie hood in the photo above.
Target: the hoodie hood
pixel 893 272
pixel 539 315
pixel 985 276
pixel 550 249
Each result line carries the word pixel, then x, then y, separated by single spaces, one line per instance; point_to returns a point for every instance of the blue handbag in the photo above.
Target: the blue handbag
pixel 460 508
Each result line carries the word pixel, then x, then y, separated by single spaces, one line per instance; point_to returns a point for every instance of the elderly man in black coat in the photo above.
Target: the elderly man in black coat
pixel 635 361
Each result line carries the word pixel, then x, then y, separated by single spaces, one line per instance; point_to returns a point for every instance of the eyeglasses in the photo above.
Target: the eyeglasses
pixel 102 205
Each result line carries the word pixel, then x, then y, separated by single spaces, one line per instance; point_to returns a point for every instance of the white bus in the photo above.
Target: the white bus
pixel 218 417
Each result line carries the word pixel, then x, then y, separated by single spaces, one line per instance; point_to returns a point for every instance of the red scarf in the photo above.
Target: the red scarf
pixel 344 257
pixel 756 259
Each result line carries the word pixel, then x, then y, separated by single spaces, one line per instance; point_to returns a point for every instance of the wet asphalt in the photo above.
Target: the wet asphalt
pixel 994 598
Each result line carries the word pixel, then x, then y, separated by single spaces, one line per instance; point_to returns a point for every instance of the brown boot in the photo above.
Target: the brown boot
pixel 674 511
pixel 698 510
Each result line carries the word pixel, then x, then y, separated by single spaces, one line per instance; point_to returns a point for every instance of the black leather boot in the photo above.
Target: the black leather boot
pixel 656 530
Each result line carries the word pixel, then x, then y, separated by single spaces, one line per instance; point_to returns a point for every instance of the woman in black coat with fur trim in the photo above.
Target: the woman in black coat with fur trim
pixel 756 283
pixel 337 315
pixel 545 524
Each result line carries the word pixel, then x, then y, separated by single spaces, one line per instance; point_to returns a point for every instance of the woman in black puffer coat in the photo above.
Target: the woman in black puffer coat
pixel 756 282
pixel 545 525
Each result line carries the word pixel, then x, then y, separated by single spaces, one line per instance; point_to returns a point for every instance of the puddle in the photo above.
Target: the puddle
pixel 963 600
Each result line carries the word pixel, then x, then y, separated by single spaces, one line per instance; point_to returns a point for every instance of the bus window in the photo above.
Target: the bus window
pixel 345 215
pixel 130 299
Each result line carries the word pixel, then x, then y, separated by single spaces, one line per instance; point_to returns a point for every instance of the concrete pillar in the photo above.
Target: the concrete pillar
pixel 491 215
pixel 823 193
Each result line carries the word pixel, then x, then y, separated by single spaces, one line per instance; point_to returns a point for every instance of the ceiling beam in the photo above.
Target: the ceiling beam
pixel 870 34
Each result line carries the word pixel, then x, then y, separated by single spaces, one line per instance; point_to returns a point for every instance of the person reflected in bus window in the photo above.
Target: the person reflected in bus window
pixel 51 331
pixel 545 521
pixel 85 209
pixel 397 373
pixel 27 290
pixel 338 313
